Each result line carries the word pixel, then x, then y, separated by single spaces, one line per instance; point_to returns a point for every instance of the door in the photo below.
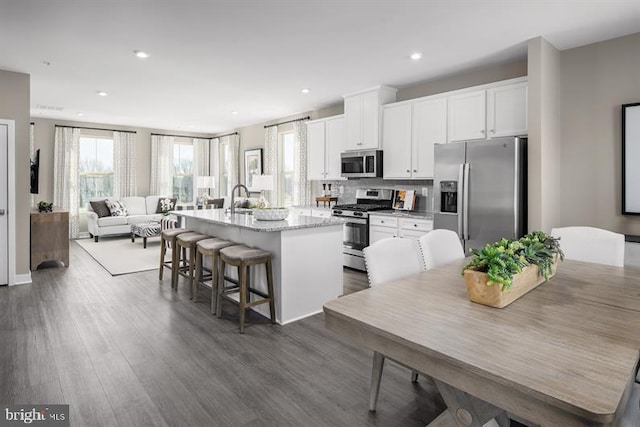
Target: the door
pixel 493 206
pixel 4 202
pixel 396 141
pixel 507 110
pixel 429 129
pixel 449 159
pixel 353 122
pixel 370 104
pixel 335 143
pixel 316 149
pixel 467 116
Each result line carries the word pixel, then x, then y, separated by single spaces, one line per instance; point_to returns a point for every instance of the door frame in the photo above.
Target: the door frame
pixel 11 198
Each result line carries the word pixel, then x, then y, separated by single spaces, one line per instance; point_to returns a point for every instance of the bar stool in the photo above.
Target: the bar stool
pixel 168 237
pixel 243 257
pixel 186 266
pixel 210 248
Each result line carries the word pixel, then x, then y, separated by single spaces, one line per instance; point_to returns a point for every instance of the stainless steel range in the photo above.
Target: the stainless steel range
pixel 356 228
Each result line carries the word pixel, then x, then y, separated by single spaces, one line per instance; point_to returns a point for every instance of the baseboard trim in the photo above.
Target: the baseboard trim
pixel 22 279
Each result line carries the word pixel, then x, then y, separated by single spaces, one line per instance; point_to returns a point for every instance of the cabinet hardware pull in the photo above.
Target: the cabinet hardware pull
pixel 415 170
pixel 482 131
pixel 493 131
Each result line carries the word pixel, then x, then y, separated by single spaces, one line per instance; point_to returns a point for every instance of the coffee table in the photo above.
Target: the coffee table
pixel 145 230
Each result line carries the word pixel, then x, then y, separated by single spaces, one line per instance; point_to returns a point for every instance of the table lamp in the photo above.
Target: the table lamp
pixel 262 183
pixel 204 182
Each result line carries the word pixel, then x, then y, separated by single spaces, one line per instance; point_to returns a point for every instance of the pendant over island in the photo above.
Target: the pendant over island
pixel 306 255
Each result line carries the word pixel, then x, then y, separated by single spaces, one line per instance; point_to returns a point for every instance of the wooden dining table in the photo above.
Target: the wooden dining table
pixel 565 354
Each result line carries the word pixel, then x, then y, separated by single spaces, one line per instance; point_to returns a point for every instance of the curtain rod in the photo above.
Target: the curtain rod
pixel 179 136
pixel 222 136
pixel 84 127
pixel 288 121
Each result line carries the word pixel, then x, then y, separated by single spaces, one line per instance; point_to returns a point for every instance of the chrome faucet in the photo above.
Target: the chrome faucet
pixel 232 209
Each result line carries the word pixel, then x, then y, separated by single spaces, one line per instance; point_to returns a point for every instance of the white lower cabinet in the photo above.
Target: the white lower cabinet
pixel 299 211
pixel 381 227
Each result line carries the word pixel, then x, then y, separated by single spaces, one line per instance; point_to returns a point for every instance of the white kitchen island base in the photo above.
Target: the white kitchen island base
pixel 306 251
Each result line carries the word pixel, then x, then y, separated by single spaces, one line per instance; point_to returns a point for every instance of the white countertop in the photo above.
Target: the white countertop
pixel 292 222
pixel 404 214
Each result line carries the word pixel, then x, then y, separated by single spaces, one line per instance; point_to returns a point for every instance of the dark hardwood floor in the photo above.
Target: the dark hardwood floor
pixel 129 351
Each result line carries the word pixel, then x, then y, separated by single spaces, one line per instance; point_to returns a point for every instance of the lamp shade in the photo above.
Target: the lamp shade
pixel 205 182
pixel 262 182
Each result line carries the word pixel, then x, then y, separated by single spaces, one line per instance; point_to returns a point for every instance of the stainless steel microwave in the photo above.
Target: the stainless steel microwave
pixel 361 164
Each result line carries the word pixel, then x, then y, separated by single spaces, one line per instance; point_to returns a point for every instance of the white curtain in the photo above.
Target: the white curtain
pixel 301 187
pixel 161 165
pixel 271 163
pixel 124 164
pixel 201 163
pixel 66 179
pixel 215 164
pixel 234 160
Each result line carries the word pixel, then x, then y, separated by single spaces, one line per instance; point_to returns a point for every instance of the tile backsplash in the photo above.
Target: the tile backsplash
pixel 346 190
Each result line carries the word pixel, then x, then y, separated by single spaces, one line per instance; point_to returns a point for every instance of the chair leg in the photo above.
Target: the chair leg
pixel 220 288
pixel 175 265
pixel 414 376
pixel 197 275
pixel 272 305
pixel 215 262
pixel 376 378
pixel 163 252
pixel 192 261
pixel 242 269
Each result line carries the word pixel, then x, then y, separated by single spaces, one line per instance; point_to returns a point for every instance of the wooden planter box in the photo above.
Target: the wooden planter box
pixel 493 296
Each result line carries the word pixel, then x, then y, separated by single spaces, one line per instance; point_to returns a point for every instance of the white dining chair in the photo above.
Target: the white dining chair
pixel 591 244
pixel 440 247
pixel 387 260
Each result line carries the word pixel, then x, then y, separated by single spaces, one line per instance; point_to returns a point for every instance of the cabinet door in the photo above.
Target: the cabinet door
pixel 353 122
pixel 316 150
pixel 335 143
pixel 370 113
pixel 396 141
pixel 429 128
pixel 507 110
pixel 379 233
pixel 411 234
pixel 467 115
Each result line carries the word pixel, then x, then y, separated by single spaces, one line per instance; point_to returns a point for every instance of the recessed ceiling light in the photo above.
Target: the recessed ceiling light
pixel 102 93
pixel 234 112
pixel 305 90
pixel 416 55
pixel 141 54
pixel 80 114
pixel 47 63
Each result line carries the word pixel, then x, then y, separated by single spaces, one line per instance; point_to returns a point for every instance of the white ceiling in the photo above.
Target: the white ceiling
pixel 209 58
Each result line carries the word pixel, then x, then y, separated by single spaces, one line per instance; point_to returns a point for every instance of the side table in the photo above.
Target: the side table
pixel 49 237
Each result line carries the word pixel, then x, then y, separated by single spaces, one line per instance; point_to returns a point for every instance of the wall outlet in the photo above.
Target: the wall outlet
pixel 425 191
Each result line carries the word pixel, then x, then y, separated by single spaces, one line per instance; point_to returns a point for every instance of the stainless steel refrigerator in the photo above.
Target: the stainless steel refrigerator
pixel 480 190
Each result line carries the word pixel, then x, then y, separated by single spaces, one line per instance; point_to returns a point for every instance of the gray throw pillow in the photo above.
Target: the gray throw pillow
pixel 100 208
pixel 166 204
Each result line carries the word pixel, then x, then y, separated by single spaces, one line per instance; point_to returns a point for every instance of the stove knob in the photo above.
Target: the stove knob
pixel 357 214
pixel 337 212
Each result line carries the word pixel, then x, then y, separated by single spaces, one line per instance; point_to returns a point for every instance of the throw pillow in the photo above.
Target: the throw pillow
pixel 166 204
pixel 100 208
pixel 116 207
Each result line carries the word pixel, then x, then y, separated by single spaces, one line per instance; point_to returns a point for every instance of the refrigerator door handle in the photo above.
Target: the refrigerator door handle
pixel 460 206
pixel 465 202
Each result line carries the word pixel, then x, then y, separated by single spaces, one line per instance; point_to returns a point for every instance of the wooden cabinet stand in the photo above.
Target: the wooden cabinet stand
pixel 49 237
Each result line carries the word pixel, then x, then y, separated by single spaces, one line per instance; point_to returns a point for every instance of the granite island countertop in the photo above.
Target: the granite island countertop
pixel 404 214
pixel 248 222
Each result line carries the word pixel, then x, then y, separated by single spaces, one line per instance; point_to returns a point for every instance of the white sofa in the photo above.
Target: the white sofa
pixel 141 209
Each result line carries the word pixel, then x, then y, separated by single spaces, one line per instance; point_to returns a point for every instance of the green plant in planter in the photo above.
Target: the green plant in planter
pixel 505 258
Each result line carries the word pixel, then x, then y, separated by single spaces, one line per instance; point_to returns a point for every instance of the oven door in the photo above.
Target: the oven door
pixel 356 234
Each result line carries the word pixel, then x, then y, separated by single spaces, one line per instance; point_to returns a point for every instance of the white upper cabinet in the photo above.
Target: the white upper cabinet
pixel 409 132
pixel 507 110
pixel 362 117
pixel 429 128
pixel 467 116
pixel 325 142
pixel 396 141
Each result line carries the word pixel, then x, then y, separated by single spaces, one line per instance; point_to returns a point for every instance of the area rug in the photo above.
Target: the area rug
pixel 118 255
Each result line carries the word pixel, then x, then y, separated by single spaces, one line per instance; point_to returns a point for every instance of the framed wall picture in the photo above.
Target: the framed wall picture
pixel 252 165
pixel 630 159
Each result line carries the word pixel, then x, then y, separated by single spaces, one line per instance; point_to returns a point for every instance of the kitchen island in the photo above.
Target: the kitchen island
pixel 307 256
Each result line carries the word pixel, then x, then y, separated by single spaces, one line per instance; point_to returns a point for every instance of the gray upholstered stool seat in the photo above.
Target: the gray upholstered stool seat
pixel 210 248
pixel 168 237
pixel 243 257
pixel 186 265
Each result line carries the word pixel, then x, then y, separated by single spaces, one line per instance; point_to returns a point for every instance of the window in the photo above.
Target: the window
pixel 225 168
pixel 183 172
pixel 286 166
pixel 96 168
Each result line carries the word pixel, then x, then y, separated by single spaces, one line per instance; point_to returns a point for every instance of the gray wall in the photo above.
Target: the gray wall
pixel 14 105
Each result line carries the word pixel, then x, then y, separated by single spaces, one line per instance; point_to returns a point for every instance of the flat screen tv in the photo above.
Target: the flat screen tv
pixel 35 168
